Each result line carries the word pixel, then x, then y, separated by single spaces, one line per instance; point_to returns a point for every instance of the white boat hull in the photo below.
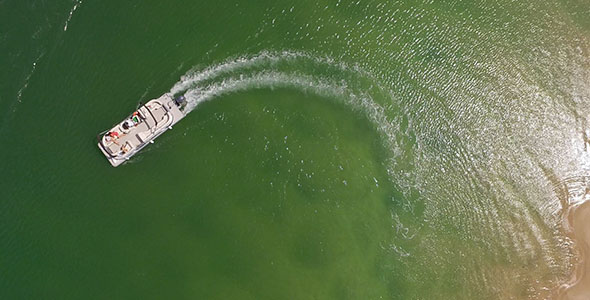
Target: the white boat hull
pixel 138 130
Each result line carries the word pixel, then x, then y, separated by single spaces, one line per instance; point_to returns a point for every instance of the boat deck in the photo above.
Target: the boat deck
pixel 142 127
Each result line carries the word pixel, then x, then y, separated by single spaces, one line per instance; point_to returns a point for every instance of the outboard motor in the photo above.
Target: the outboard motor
pixel 180 101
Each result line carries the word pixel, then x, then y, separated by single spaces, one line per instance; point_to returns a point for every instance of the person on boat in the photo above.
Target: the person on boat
pixel 125 148
pixel 113 136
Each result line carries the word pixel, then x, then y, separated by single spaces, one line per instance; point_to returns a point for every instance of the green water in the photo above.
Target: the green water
pixel 333 149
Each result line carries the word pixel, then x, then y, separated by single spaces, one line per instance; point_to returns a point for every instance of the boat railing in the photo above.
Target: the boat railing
pixel 148 109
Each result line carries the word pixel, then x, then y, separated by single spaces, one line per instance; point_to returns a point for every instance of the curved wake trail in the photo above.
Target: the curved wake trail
pixel 349 85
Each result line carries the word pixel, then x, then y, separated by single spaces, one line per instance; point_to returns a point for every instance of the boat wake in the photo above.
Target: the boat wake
pixel 348 85
pixel 76 5
pixel 298 70
pixel 323 76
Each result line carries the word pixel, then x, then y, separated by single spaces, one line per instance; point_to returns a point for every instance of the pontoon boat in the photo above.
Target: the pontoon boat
pixel 140 128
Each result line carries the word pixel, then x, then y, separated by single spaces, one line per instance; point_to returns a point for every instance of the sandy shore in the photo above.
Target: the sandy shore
pixel 579 219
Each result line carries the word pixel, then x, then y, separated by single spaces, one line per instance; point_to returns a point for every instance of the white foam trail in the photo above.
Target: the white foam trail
pixel 284 70
pixel 264 80
pixel 323 76
pixel 26 84
pixel 262 60
pixel 76 5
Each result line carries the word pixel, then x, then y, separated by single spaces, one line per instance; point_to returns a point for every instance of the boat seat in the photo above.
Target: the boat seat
pixel 146 117
pixel 142 127
pixel 142 113
pixel 142 137
pixel 114 148
pixel 134 141
pixel 159 113
pixel 150 121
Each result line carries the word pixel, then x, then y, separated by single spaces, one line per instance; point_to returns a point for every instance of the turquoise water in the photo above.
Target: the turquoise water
pixel 333 149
